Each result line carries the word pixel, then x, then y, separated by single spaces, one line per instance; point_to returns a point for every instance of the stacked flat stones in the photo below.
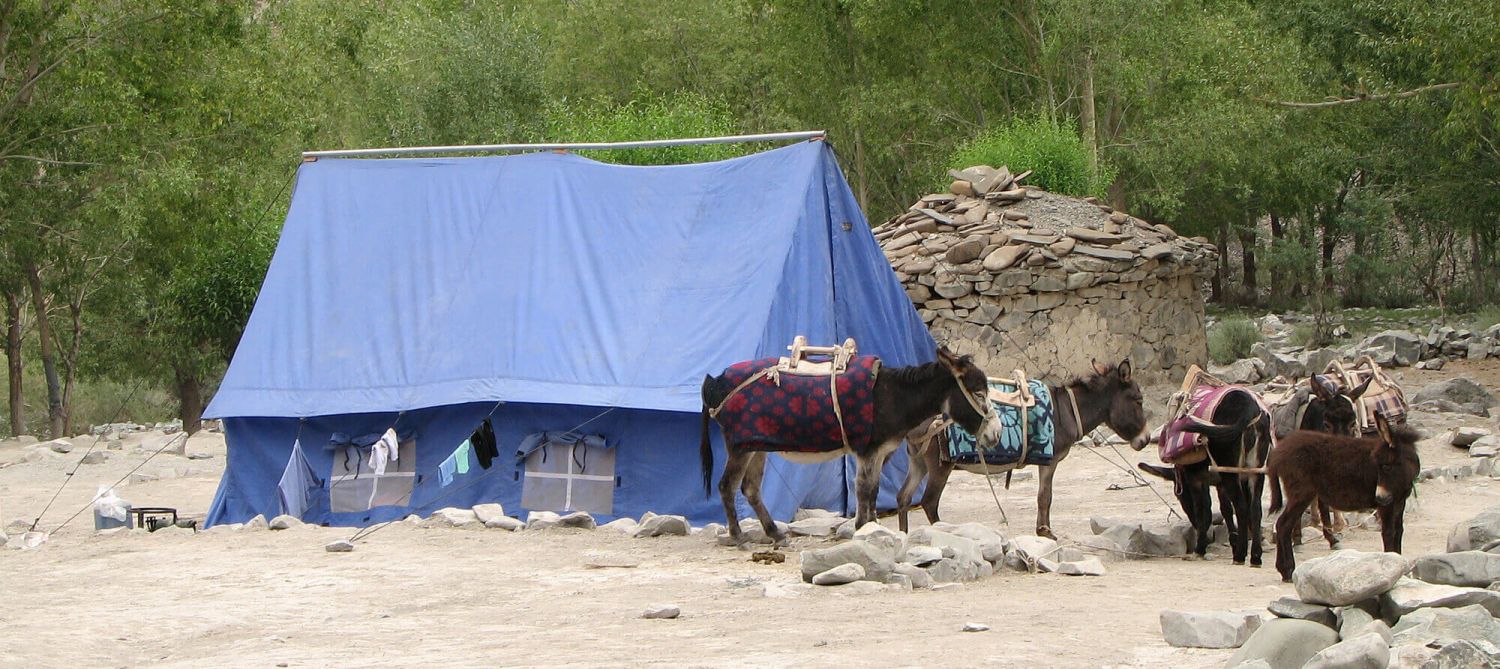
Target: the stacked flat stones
pixel 993 254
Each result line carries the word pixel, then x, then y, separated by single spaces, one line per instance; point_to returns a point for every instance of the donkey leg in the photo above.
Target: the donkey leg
pixel 1391 525
pixel 1044 500
pixel 937 480
pixel 914 476
pixel 1239 542
pixel 1325 517
pixel 755 472
pixel 1289 522
pixel 734 472
pixel 1253 486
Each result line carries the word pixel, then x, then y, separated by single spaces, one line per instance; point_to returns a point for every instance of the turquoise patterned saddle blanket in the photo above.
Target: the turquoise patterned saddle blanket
pixel 1038 435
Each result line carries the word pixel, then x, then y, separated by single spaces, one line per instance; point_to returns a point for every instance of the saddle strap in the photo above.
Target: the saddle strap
pixel 833 391
pixel 714 412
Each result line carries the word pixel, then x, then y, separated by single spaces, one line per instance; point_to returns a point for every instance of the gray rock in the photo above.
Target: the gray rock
pixel 1465 568
pixel 1284 642
pixel 1425 626
pixel 1103 548
pixel 1405 347
pixel 815 527
pixel 1347 577
pixel 505 523
pixel 1244 372
pixel 1411 594
pixel 625 526
pixel 1353 619
pixel 966 551
pixel 487 512
pixel 1089 566
pixel 1477 451
pixel 1464 655
pixel 1368 651
pixel 875 561
pixel 1278 364
pixel 339 546
pixel 661 612
pixel 1464 436
pixel 94 458
pixel 919 577
pixel 59 446
pixel 1291 607
pixel 1256 663
pixel 922 556
pixel 992 544
pixel 285 522
pixel 1476 532
pixel 975 627
pixel 1027 550
pixel 1215 629
pixel 546 520
pixel 891 543
pixel 844 573
pixel 662 525
pixel 453 517
pixel 901 581
pixel 1433 364
pixel 257 523
pixel 1457 390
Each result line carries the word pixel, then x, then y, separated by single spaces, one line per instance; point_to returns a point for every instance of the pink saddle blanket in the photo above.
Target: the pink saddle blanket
pixel 1178 446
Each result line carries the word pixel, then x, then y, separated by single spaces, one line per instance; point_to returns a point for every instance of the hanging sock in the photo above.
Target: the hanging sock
pixel 388 448
pixel 457 462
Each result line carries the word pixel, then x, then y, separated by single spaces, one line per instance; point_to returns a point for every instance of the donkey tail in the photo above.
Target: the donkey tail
pixel 706 455
pixel 1216 432
pixel 1275 491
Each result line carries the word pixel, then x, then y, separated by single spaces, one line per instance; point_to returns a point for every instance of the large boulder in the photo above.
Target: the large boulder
pixel 1464 568
pixel 1425 626
pixel 1347 577
pixel 919 577
pixel 1405 348
pixel 1459 391
pixel 1277 363
pixel 1243 372
pixel 1464 655
pixel 1291 607
pixel 876 562
pixel 1368 651
pixel 1411 594
pixel 1476 532
pixel 1213 629
pixel 890 543
pixel 1284 642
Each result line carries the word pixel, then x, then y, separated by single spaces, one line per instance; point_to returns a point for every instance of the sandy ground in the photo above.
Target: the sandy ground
pixel 447 597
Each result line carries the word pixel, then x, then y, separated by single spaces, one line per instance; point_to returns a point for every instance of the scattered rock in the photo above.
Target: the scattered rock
pixel 340 546
pixel 891 543
pixel 1476 532
pixel 1368 651
pixel 1458 390
pixel 976 627
pixel 94 458
pixel 1284 642
pixel 919 577
pixel 506 523
pixel 922 556
pixel 1347 577
pixel 1425 626
pixel 876 562
pixel 1464 568
pixel 1352 620
pixel 1216 629
pixel 1464 654
pixel 452 517
pixel 487 512
pixel 1027 550
pixel 546 520
pixel 59 446
pixel 1291 607
pixel 661 612
pixel 285 522
pixel 625 526
pixel 823 526
pixel 663 525
pixel 1464 436
pixel 1089 566
pixel 1405 347
pixel 844 573
pixel 1411 594
pixel 992 544
pixel 257 523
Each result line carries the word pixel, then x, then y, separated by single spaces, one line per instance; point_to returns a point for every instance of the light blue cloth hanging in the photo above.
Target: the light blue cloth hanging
pixel 298 481
pixel 456 463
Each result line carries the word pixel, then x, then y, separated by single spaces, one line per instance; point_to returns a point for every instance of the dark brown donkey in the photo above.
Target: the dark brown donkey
pixel 904 397
pixel 1343 473
pixel 1108 396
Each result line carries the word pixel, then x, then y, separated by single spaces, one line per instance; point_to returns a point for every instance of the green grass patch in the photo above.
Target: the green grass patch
pixel 1231 340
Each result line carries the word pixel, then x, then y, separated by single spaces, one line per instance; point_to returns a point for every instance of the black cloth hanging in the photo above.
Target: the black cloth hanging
pixel 483 441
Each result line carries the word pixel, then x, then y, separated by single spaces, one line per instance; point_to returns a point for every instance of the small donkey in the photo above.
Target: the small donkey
pixel 1343 473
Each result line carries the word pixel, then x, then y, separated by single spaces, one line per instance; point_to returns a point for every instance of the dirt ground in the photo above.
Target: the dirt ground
pixel 448 597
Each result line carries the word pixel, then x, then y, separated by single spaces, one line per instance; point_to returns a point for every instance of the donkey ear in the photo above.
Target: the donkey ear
pixel 1123 369
pixel 1099 367
pixel 1317 386
pixel 1383 427
pixel 946 357
pixel 1360 389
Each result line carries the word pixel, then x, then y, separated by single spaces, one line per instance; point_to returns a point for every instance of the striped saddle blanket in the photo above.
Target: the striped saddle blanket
pixel 1018 447
pixel 1180 447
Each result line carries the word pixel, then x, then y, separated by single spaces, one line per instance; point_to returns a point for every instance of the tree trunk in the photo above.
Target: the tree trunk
pixel 1278 233
pixel 1216 284
pixel 13 362
pixel 1086 114
pixel 56 417
pixel 1330 240
pixel 70 363
pixel 190 399
pixel 1247 245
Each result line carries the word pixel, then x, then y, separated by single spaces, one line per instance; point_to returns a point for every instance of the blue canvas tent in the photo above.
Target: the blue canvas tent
pixel 548 293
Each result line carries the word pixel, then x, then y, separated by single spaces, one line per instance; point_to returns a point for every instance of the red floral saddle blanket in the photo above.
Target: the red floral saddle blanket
pixel 793 412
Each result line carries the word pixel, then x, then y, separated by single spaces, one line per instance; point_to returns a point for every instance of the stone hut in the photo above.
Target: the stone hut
pixel 1022 278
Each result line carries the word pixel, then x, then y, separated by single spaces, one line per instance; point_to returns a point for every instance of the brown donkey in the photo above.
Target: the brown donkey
pixel 1342 473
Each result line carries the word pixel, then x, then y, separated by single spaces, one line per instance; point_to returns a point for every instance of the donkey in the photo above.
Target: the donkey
pixel 1109 396
pixel 1240 437
pixel 1320 409
pixel 904 397
pixel 1344 473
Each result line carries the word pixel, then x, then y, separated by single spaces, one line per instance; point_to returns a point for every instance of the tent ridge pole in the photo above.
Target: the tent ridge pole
pixel 566 146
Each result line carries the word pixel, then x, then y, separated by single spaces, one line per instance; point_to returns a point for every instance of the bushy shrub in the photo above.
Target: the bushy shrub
pixel 1057 157
pixel 1231 340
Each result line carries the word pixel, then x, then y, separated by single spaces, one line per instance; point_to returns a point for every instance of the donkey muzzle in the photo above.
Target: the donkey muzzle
pixel 1382 496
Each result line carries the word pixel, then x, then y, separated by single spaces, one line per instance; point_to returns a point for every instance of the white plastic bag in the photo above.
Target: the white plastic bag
pixel 109 505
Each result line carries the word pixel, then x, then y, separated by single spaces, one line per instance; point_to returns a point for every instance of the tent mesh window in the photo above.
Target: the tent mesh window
pixel 566 477
pixel 354 485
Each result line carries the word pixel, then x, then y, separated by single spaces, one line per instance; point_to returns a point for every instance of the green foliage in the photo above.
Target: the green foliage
pixel 1058 159
pixel 676 116
pixel 1485 318
pixel 1231 339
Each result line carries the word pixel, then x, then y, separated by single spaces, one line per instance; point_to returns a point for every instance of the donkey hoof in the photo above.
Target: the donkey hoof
pixel 1255 564
pixel 1046 532
pixel 1239 563
pixel 1336 545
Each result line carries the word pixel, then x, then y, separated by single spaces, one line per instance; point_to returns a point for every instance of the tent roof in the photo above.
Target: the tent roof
pixel 552 278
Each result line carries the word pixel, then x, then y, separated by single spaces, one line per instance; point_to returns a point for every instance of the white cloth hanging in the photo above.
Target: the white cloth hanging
pixel 387 449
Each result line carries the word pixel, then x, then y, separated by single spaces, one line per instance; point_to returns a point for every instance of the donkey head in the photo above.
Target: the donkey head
pixel 1395 460
pixel 1336 408
pixel 1127 411
pixel 968 401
